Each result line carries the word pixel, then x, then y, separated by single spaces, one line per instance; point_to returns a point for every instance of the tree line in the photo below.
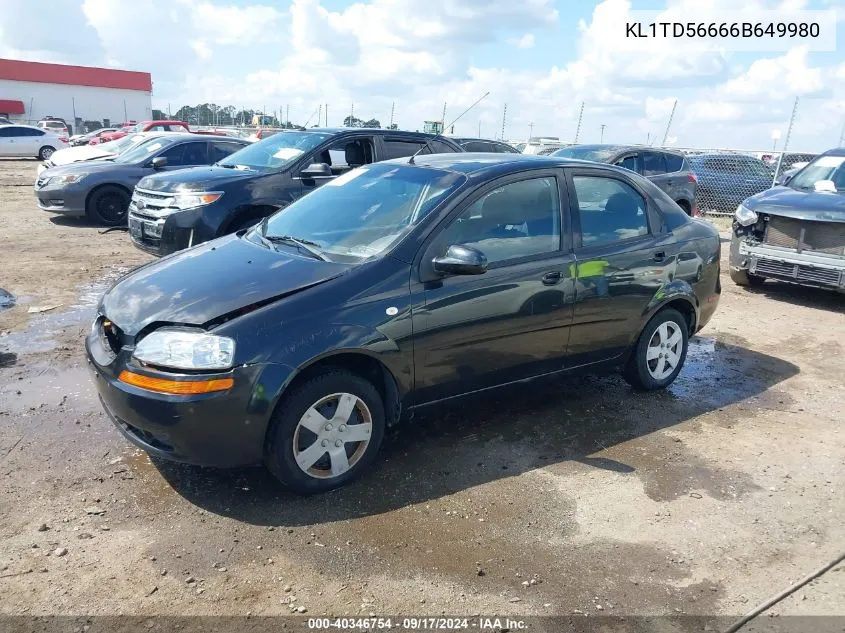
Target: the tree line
pixel 215 115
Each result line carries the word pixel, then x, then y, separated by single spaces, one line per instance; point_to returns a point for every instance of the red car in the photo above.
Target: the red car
pixel 144 126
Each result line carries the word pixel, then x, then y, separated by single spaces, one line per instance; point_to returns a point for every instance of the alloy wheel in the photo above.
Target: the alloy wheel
pixel 664 350
pixel 332 435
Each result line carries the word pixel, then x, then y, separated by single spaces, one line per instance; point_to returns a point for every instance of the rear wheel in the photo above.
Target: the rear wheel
pixel 108 205
pixel 45 152
pixel 660 352
pixel 325 433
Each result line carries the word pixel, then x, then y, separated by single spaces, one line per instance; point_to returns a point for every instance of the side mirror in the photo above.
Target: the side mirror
pixel 159 162
pixel 461 260
pixel 316 170
pixel 785 179
pixel 826 186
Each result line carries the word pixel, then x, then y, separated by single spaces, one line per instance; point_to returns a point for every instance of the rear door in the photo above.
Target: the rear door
pixel 622 258
pixel 654 168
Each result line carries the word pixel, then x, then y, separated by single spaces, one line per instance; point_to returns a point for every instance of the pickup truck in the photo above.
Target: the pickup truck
pixel 143 126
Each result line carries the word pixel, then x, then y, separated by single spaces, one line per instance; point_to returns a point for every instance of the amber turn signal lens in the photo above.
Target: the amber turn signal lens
pixel 176 387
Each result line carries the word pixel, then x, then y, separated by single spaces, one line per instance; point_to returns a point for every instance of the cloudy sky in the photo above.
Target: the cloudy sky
pixel 541 57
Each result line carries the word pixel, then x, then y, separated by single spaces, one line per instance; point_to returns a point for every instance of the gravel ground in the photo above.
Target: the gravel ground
pixel 568 497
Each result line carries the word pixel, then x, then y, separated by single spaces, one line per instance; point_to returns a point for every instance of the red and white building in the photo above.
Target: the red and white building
pixel 30 91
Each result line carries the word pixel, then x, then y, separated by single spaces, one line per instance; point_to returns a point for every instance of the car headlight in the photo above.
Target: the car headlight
pixel 179 348
pixel 745 216
pixel 191 200
pixel 66 179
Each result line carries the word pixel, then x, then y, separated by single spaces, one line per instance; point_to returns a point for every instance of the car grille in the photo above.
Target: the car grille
pixel 797 272
pixel 149 203
pixel 801 235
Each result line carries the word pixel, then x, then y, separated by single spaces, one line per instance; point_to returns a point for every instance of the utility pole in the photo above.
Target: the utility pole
pixel 443 120
pixel 392 108
pixel 786 140
pixel 352 115
pixel 327 115
pixel 578 129
pixel 504 117
pixel 530 130
pixel 319 113
pixel 669 125
pixel 479 129
pixel 601 140
pixel 842 135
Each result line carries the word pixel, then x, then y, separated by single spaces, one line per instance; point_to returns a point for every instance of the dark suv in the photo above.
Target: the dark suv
pixel 174 211
pixel 668 170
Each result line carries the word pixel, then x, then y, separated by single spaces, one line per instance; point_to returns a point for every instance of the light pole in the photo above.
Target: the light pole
pixel 601 140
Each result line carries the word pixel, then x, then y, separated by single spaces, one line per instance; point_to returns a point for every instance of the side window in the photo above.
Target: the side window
pixel 475 146
pixel 653 164
pixel 220 150
pixel 610 210
pixel 516 220
pixel 674 163
pixel 346 155
pixel 503 148
pixel 628 162
pixel 185 154
pixel 395 148
pixel 438 147
pixel 157 128
pixel 8 132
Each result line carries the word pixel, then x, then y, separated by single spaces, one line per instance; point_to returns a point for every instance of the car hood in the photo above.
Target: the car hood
pixel 194 179
pixel 218 278
pixel 802 205
pixel 74 154
pixel 86 166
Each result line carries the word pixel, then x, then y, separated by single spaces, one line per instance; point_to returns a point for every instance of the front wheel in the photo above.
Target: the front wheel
pixel 108 205
pixel 660 351
pixel 325 433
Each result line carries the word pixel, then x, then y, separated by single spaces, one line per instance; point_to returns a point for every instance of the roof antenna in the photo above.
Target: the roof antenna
pixel 446 127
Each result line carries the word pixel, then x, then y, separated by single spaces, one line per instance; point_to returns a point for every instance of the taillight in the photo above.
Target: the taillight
pixel 691 177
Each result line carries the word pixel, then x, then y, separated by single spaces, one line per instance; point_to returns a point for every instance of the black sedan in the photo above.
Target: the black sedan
pixel 400 284
pixel 102 189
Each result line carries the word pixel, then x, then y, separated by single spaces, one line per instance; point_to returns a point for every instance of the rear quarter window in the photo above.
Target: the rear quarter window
pixel 674 163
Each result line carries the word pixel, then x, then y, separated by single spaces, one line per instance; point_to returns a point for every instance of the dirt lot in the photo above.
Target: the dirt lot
pixel 577 496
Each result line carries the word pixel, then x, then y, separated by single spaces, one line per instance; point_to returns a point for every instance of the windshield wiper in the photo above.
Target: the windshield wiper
pixel 305 245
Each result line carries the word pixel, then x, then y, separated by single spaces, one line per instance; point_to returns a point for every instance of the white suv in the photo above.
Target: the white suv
pixel 54 125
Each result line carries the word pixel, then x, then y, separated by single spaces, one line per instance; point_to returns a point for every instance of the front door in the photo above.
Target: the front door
pixel 622 262
pixel 512 322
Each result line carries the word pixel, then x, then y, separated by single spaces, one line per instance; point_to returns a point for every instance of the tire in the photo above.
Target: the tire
pixel 744 278
pixel 288 439
pixel 108 205
pixel 644 373
pixel 45 152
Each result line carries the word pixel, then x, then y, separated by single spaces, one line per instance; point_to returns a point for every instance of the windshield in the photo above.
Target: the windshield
pixel 121 144
pixel 597 155
pixel 276 151
pixel 365 211
pixel 141 150
pixel 823 168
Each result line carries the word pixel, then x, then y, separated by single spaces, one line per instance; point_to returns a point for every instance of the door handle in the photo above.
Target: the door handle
pixel 659 256
pixel 550 279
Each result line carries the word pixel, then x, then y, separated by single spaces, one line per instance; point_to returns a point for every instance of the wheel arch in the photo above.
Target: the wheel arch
pixel 359 362
pixel 103 185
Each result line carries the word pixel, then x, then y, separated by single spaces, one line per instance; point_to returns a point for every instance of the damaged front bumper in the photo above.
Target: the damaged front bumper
pixel 773 262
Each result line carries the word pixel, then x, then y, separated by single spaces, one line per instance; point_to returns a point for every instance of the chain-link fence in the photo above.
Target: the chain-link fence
pixel 726 177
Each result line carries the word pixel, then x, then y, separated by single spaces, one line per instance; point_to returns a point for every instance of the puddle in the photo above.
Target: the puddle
pixel 42 329
pixel 47 386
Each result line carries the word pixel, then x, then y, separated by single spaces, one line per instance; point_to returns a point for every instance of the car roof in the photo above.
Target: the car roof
pixel 483 163
pixel 372 130
pixel 465 139
pixel 836 151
